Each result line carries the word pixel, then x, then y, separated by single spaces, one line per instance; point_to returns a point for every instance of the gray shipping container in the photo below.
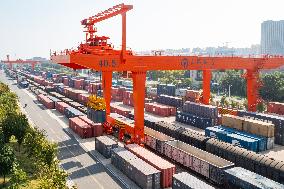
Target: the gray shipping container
pixel 200 161
pixel 186 181
pixel 143 174
pixel 104 145
pixel 238 177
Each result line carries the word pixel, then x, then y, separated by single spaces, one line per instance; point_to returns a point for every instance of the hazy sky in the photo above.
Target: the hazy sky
pixel 32 27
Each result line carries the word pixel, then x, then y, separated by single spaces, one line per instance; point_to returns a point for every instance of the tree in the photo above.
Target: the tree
pixel 52 177
pixel 18 178
pixel 273 87
pixel 260 107
pixel 7 159
pixel 15 124
pixel 21 126
pixel 236 82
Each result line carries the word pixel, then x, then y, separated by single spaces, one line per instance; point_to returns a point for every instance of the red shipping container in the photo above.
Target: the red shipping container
pixel 83 98
pixel 120 110
pixel 78 83
pixel 80 127
pixel 167 169
pixel 275 107
pixel 45 101
pixel 60 106
pixel 97 127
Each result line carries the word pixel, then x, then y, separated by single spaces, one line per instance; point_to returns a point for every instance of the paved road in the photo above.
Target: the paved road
pixel 83 169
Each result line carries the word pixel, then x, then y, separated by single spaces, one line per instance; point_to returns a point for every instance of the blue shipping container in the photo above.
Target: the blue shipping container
pixel 233 138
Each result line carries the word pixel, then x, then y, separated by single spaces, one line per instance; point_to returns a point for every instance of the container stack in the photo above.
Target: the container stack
pixel 117 93
pixel 24 84
pixel 128 98
pixel 275 107
pixel 96 116
pixel 193 95
pixel 245 140
pixel 170 100
pixel 199 161
pixel 70 112
pixel 159 109
pixel 94 87
pixel 104 145
pixel 96 127
pixel 166 89
pixel 186 181
pixel 198 115
pixel 278 122
pixel 262 129
pixel 238 177
pixel 143 174
pixel 45 101
pixel 83 98
pixel 61 106
pixel 78 84
pixel 120 110
pixel 54 100
pixel 167 169
pixel 80 127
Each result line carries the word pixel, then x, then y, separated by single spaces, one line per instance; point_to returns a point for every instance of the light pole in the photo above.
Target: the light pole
pixel 230 90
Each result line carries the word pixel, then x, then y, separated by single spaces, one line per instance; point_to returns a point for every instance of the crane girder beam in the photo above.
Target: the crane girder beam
pixel 146 63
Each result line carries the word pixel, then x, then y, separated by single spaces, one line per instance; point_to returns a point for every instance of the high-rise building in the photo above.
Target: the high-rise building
pixel 272 37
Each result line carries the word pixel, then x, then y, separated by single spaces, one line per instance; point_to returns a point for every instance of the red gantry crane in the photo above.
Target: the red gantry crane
pixel 20 61
pixel 98 55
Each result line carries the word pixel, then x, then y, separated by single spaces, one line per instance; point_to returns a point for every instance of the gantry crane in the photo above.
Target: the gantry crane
pixel 20 61
pixel 97 54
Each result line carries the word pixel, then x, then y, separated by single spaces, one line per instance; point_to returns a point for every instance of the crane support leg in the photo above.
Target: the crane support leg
pixel 33 66
pixel 139 79
pixel 123 45
pixel 252 89
pixel 206 86
pixel 106 84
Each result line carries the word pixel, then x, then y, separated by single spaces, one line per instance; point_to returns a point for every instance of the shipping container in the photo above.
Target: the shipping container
pixel 278 122
pixel 80 127
pixel 197 160
pixel 96 116
pixel 194 120
pixel 97 127
pixel 170 100
pixel 143 174
pixel 61 106
pixel 167 169
pixel 159 109
pixel 185 180
pixel 104 145
pixel 275 107
pixel 238 177
pixel 242 139
pixel 156 140
pixel 71 112
pixel 201 110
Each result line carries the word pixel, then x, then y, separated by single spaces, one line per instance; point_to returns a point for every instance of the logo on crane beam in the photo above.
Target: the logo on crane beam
pixel 184 63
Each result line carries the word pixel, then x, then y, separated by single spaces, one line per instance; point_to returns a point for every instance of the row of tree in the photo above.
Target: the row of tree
pixel 272 84
pixel 41 152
